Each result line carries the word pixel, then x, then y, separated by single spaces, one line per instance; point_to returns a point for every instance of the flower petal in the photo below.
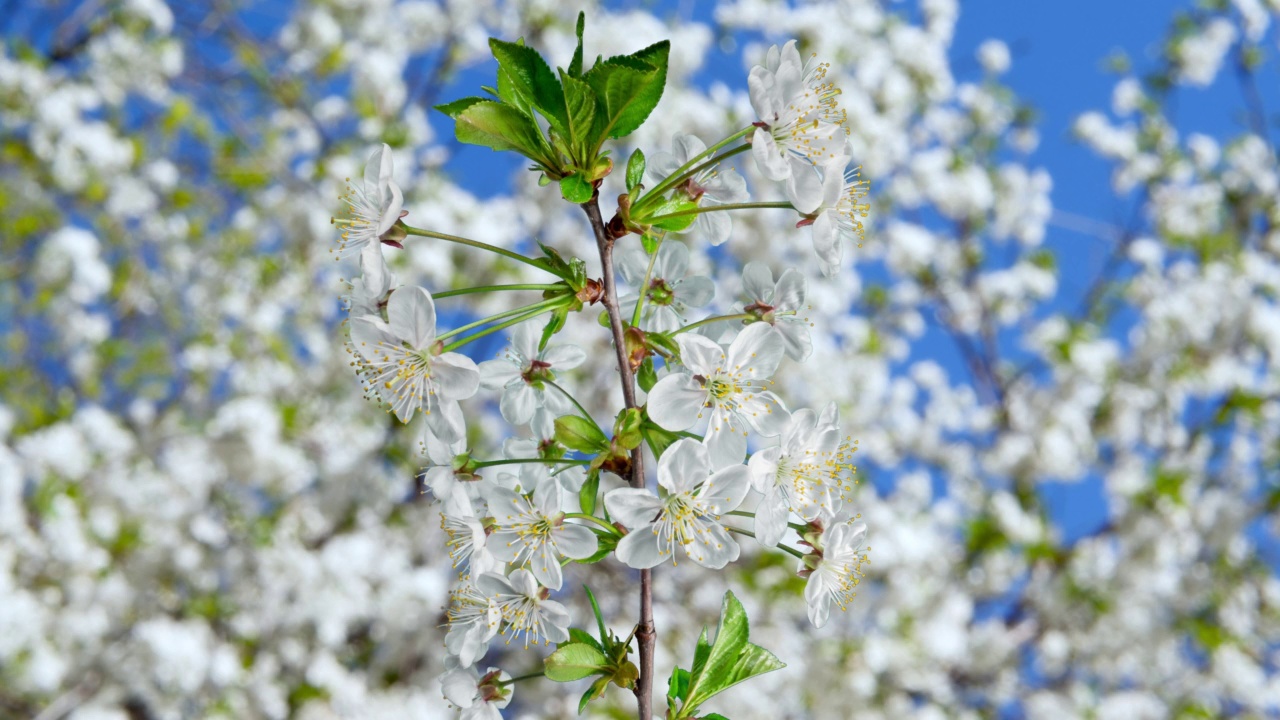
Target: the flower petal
pixel 564 357
pixel 771 517
pixel 712 547
pixel 726 445
pixel 394 203
pixel 576 541
pixel 803 186
pixel 413 316
pixel 632 507
pixel 446 421
pixel 700 354
pixel 789 293
pixel 546 568
pixel 764 468
pixel 676 401
pixel 672 262
pixel 755 353
pixel 683 466
pixel 768 157
pixel 795 339
pixel 765 413
pixel 641 548
pixel 456 376
pixel 518 403
pixel 715 226
pixel 695 290
pixel 757 282
pixel 724 491
pixel 495 374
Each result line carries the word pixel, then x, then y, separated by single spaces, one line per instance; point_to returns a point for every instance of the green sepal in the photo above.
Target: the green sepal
pixel 635 170
pixel 455 108
pixel 594 692
pixel 574 661
pixel 587 496
pixel 576 189
pixel 626 428
pixel 646 375
pixel 658 438
pixel 578 433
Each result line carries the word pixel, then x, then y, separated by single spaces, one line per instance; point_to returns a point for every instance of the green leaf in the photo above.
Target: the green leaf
pixel 575 65
pixel 532 80
pixel 678 685
pixel 578 635
pixel 658 438
pixel 595 610
pixel 677 203
pixel 729 660
pixel 553 326
pixel 507 93
pixel 649 242
pixel 595 691
pixel 635 171
pixel 500 127
pixel 655 55
pixel 647 376
pixel 455 108
pixel 581 434
pixel 626 428
pixel 580 112
pixel 714 716
pixel 574 661
pixel 622 85
pixel 576 189
pixel 590 489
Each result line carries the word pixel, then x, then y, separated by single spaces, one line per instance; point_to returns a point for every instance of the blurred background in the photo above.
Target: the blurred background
pixel 1057 347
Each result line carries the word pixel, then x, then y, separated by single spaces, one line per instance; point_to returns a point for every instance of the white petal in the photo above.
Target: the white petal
pixel 695 290
pixel 771 517
pixel 700 354
pixel 768 157
pixel 661 165
pixel 715 226
pixel 713 548
pixel 632 507
pixel 726 446
pixel 391 211
pixel 368 333
pixel 672 262
pixel 459 686
pixel 456 376
pixel 818 599
pixel 683 466
pixel 757 282
pixel 756 352
pixel 803 186
pixel 374 274
pixel 546 568
pixel 576 541
pixel 725 491
pixel 764 468
pixel 640 549
pixel 826 238
pixel 632 266
pixel 762 90
pixel 766 414
pixel 789 293
pixel 795 339
pixel 446 421
pixel 377 173
pixel 685 147
pixel 564 357
pixel 413 316
pixel 495 374
pixel 518 401
pixel 525 339
pixel 676 401
pixel 728 186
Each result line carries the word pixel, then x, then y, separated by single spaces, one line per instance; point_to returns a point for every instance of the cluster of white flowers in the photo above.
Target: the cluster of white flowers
pixel 199 518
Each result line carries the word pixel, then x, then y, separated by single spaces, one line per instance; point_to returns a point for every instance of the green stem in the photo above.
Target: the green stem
pixel 499 316
pixel 513 680
pixel 644 286
pixel 690 435
pixel 480 245
pixel 682 172
pixel 521 461
pixel 497 288
pixel 583 516
pixel 502 326
pixel 586 415
pixel 718 208
pixel 790 551
pixel 715 318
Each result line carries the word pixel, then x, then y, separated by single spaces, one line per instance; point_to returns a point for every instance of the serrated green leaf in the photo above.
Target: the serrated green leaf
pixel 727 661
pixel 507 93
pixel 655 55
pixel 578 433
pixel 590 489
pixel 647 376
pixel 455 108
pixel 574 661
pixel 621 85
pixel 580 114
pixel 531 79
pixel 635 170
pixel 578 635
pixel 500 127
pixel 575 65
pixel 576 189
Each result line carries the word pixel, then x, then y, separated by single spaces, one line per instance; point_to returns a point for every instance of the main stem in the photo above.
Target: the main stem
pixel 645 632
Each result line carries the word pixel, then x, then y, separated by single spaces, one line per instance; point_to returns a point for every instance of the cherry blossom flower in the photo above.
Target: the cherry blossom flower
pixel 401 362
pixel 800 124
pixel 732 384
pixel 523 374
pixel 479 697
pixel 371 291
pixel 467 539
pixel 474 619
pixel 710 186
pixel 839 557
pixel 533 532
pixel 668 290
pixel 839 218
pixel 525 607
pixel 807 473
pixel 375 206
pixel 780 305
pixel 687 516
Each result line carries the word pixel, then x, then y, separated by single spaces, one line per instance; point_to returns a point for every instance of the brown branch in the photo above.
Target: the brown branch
pixel 645 632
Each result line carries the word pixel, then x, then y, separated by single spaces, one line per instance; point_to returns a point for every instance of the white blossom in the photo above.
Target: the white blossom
pixel 666 285
pixel 782 305
pixel 531 532
pixel 525 608
pixel 375 205
pixel 708 187
pixel 840 557
pixel 525 374
pixel 479 697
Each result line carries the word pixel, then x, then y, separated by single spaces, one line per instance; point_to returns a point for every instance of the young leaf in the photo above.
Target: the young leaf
pixel 574 661
pixel 575 65
pixel 619 84
pixel 579 433
pixel 553 326
pixel 580 112
pixel 500 127
pixel 596 690
pixel 590 490
pixel 727 661
pixel 595 610
pixel 647 376
pixel 578 635
pixel 678 685
pixel 532 80
pixel 635 170
pixel 455 108
pixel 649 242
pixel 575 189
pixel 626 428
